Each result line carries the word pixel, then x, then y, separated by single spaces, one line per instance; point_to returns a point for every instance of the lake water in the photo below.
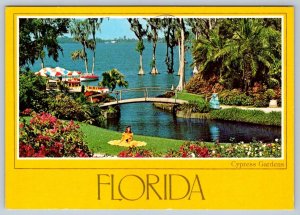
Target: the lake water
pixel 143 117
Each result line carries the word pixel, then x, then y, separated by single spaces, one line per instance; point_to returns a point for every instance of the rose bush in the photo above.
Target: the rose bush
pixel 46 136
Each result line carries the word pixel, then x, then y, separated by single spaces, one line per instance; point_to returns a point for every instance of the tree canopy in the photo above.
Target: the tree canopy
pixel 38 38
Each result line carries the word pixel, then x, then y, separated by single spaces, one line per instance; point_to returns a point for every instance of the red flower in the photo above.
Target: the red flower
pixel 27 112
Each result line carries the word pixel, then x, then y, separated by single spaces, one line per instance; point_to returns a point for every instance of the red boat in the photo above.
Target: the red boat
pixel 89 77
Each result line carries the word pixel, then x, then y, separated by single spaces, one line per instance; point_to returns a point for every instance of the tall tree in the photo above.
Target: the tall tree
pixel 39 35
pixel 139 32
pixel 181 70
pixel 169 27
pixel 155 25
pixel 80 31
pixel 94 25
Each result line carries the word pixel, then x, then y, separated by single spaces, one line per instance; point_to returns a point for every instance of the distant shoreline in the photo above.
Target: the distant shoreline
pixel 99 40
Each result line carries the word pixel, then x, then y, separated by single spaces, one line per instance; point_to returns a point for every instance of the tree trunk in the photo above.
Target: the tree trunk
pixel 179 53
pixel 172 59
pixel 94 51
pixel 94 55
pixel 154 69
pixel 85 59
pixel 181 83
pixel 141 71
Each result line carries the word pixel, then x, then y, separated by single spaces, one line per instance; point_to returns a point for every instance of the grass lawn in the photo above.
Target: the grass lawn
pixel 189 96
pixel 97 139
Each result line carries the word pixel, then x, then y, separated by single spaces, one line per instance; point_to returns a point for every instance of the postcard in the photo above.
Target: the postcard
pixel 149 107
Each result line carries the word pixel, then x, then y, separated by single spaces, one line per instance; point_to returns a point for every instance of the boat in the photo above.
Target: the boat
pixel 89 77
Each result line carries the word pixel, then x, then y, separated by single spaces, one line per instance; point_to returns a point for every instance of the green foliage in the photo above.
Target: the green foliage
pixel 46 136
pixel 140 46
pixel 235 97
pixel 239 52
pixel 270 94
pixel 112 79
pixel 198 106
pixel 250 116
pixel 65 107
pixel 32 91
pixel 37 35
pixel 33 95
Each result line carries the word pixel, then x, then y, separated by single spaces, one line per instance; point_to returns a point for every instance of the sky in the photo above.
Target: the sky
pixel 115 28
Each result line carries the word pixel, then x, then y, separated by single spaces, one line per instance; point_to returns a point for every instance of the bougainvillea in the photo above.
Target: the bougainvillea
pixel 46 136
pixel 136 152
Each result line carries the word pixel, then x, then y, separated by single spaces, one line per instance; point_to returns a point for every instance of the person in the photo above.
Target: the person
pixel 127 139
pixel 127 135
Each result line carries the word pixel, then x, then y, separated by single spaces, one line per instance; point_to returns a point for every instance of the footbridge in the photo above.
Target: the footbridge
pixel 144 94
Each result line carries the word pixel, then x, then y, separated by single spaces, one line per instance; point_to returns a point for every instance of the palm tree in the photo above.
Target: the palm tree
pixel 94 25
pixel 155 25
pixel 80 31
pixel 112 79
pixel 139 32
pixel 239 53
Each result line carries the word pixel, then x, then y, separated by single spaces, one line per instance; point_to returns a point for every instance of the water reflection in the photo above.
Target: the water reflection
pixel 150 121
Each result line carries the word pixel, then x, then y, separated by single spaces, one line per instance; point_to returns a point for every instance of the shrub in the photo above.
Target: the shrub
pixel 270 94
pixel 238 150
pixel 190 149
pixel 46 136
pixel 32 91
pixel 136 152
pixel 199 106
pixel 199 85
pixel 235 97
pixel 65 107
pixel 250 116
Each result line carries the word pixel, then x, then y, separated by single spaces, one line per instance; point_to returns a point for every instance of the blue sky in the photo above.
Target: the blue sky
pixel 115 28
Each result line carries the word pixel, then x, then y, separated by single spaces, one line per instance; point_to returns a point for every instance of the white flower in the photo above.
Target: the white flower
pixel 276 140
pixel 260 154
pixel 213 152
pixel 248 153
pixel 193 155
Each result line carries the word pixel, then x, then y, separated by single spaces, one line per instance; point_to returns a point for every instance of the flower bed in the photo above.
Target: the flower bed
pixel 46 136
pixel 204 150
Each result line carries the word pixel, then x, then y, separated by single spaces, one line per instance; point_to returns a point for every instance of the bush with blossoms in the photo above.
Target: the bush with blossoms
pixel 46 136
pixel 136 152
pixel 190 149
pixel 196 149
pixel 235 150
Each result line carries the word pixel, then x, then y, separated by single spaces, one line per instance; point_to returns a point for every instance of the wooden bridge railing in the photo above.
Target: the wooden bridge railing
pixel 145 90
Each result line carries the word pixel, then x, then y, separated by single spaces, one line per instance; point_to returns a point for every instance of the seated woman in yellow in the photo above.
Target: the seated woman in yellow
pixel 127 135
pixel 127 139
